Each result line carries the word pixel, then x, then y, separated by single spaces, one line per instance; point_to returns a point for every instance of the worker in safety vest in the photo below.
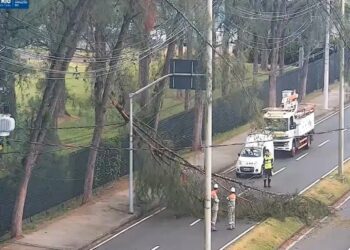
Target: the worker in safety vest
pixel 231 203
pixel 268 166
pixel 215 206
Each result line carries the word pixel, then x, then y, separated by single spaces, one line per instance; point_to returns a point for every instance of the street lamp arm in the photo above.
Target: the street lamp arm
pixel 131 95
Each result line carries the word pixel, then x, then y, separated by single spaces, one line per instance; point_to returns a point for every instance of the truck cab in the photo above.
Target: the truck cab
pixel 291 124
pixel 251 158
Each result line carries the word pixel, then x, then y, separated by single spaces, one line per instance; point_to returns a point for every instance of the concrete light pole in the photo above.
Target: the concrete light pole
pixel 326 57
pixel 341 100
pixel 208 128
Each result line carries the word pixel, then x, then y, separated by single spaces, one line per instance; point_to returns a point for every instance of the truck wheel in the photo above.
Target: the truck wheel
pixel 293 152
pixel 308 142
pixel 238 175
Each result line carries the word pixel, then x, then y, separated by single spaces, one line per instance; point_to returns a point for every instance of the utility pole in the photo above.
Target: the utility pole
pixel 208 129
pixel 341 99
pixel 326 56
pixel 131 157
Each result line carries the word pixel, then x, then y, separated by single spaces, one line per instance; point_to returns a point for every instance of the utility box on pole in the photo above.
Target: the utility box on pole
pixel 191 78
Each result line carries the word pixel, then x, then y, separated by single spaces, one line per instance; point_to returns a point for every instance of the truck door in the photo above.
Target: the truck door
pixel 292 124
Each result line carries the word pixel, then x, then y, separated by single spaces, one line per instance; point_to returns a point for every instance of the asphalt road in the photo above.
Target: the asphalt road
pixel 332 234
pixel 164 231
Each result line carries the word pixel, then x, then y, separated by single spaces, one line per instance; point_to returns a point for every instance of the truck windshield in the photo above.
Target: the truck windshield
pixel 251 152
pixel 280 124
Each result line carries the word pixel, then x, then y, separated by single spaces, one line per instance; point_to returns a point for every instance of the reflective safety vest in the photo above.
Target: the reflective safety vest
pixel 232 197
pixel 215 200
pixel 268 162
pixel 231 200
pixel 214 196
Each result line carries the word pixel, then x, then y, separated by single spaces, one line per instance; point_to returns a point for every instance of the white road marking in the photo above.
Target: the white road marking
pixel 329 116
pixel 323 176
pixel 155 248
pixel 279 171
pixel 343 202
pixel 239 236
pixel 128 228
pixel 301 157
pixel 300 238
pixel 308 187
pixel 239 195
pixel 229 170
pixel 328 173
pixel 323 143
pixel 305 234
pixel 325 218
pixel 195 222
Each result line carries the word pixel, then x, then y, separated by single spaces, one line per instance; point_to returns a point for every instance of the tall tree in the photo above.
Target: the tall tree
pixel 225 84
pixel 277 24
pixel 180 54
pixel 189 54
pixel 7 80
pixel 310 39
pixel 189 49
pixel 53 26
pixel 281 52
pixel 53 90
pixel 170 52
pixel 145 23
pixel 265 51
pixel 102 95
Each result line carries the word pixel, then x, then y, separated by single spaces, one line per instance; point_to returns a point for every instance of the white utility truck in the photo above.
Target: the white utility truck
pixel 251 159
pixel 292 125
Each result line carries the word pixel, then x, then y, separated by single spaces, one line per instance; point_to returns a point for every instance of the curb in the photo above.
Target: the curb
pixel 305 230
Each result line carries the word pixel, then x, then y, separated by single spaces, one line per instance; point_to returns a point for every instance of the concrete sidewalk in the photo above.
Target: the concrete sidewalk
pixel 109 210
pixel 83 225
